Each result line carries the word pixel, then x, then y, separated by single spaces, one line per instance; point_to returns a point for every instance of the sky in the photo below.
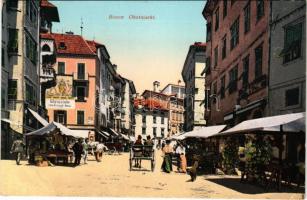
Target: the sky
pixel 145 50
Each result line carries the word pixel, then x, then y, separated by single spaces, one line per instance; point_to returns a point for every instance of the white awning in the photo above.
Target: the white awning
pixel 132 139
pixel 124 136
pixel 205 132
pixel 104 134
pixel 39 118
pixel 49 128
pixel 294 122
pixel 114 132
pixel 7 121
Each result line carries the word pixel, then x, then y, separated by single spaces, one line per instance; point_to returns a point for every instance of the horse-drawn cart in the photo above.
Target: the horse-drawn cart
pixel 142 152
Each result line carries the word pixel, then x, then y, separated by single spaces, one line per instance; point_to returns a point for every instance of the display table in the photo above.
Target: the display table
pixel 56 156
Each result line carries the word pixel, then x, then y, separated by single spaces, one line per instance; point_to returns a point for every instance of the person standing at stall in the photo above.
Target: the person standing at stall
pixel 17 149
pixel 167 161
pixel 78 150
pixel 85 150
pixel 180 151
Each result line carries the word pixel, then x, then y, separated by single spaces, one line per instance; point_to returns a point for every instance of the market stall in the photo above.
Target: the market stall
pixel 52 144
pixel 282 136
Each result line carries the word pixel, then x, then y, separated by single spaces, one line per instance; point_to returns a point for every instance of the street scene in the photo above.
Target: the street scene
pixel 178 99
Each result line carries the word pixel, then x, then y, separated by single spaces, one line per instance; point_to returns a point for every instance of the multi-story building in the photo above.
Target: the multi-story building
pixel 128 119
pixel 287 82
pixel 194 87
pixel 151 115
pixel 175 105
pixel 20 69
pixel 72 101
pixel 49 14
pixel 237 59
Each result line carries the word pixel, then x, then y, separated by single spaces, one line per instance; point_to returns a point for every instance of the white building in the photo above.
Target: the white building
pixel 194 87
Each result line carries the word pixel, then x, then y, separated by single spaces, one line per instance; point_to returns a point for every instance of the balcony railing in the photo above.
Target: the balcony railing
pixel 47 72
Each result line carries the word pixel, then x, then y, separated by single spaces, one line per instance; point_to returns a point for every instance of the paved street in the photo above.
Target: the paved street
pixel 113 178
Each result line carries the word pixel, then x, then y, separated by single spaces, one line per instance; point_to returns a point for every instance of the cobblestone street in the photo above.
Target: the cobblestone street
pixel 113 178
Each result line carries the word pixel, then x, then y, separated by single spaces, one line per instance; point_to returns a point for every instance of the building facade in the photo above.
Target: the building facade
pixel 194 114
pixel 176 95
pixel 72 101
pixel 237 60
pixel 287 84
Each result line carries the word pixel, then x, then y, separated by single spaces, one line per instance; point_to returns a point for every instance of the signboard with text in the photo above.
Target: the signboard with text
pixel 61 96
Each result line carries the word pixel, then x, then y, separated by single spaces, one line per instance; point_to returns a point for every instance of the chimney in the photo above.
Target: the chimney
pixel 69 33
pixel 156 84
pixel 115 67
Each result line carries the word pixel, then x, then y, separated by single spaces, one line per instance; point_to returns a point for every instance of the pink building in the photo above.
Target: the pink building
pixel 72 101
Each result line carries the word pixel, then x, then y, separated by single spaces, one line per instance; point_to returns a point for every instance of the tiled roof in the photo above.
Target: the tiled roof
pixel 201 44
pixel 93 45
pixel 46 3
pixel 73 44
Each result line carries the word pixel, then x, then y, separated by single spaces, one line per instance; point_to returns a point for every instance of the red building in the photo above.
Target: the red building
pixel 237 62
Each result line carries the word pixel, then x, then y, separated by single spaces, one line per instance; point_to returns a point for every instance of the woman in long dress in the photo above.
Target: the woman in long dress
pixel 167 161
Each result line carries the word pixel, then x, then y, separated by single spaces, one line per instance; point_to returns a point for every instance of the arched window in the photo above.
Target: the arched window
pixel 46 48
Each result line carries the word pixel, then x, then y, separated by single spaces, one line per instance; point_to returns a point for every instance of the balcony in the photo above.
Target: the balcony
pixel 47 72
pixel 258 84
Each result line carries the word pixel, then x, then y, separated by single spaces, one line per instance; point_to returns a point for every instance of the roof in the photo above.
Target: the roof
pixel 94 45
pixel 46 3
pixel 294 122
pixel 74 44
pixel 205 132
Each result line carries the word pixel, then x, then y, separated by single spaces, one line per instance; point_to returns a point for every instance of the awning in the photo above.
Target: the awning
pixel 51 127
pixel 7 121
pixel 104 134
pixel 132 139
pixel 179 136
pixel 114 132
pixel 205 132
pixel 39 118
pixel 124 136
pixel 289 123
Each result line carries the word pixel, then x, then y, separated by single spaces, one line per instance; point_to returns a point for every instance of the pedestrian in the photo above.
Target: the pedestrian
pixel 148 146
pixel 182 161
pixel 17 149
pixel 137 150
pixel 167 158
pixel 85 146
pixel 99 151
pixel 78 150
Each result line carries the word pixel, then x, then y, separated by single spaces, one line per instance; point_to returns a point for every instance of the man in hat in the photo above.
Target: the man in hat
pixel 17 149
pixel 78 150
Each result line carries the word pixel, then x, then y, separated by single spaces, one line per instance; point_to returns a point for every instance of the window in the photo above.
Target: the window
pixel 162 132
pixel 162 120
pixel 62 45
pixel 12 4
pixel 216 54
pixel 143 131
pixel 247 18
pixel 292 97
pixel 144 119
pixel 214 91
pixel 208 32
pixel 80 117
pixel 260 9
pixel 81 71
pixel 224 47
pixel 80 93
pixel 196 91
pixel 233 75
pixel 217 21
pixel 30 94
pixel 208 64
pixel 61 68
pixel 31 11
pixel 224 8
pixel 2 58
pixel 292 42
pixel 232 2
pixel 13 41
pixel 234 30
pixel 154 131
pixel 222 87
pixel 46 48
pixel 245 72
pixel 3 95
pixel 60 116
pixel 154 119
pixel 258 61
pixel 12 89
pixel 31 51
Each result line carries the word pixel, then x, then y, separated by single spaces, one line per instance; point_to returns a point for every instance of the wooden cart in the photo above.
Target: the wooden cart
pixel 142 152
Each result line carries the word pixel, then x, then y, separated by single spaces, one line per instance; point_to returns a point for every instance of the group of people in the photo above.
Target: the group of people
pixel 168 153
pixel 139 151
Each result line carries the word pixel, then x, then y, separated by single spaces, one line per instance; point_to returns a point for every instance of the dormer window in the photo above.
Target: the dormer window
pixel 62 45
pixel 46 48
